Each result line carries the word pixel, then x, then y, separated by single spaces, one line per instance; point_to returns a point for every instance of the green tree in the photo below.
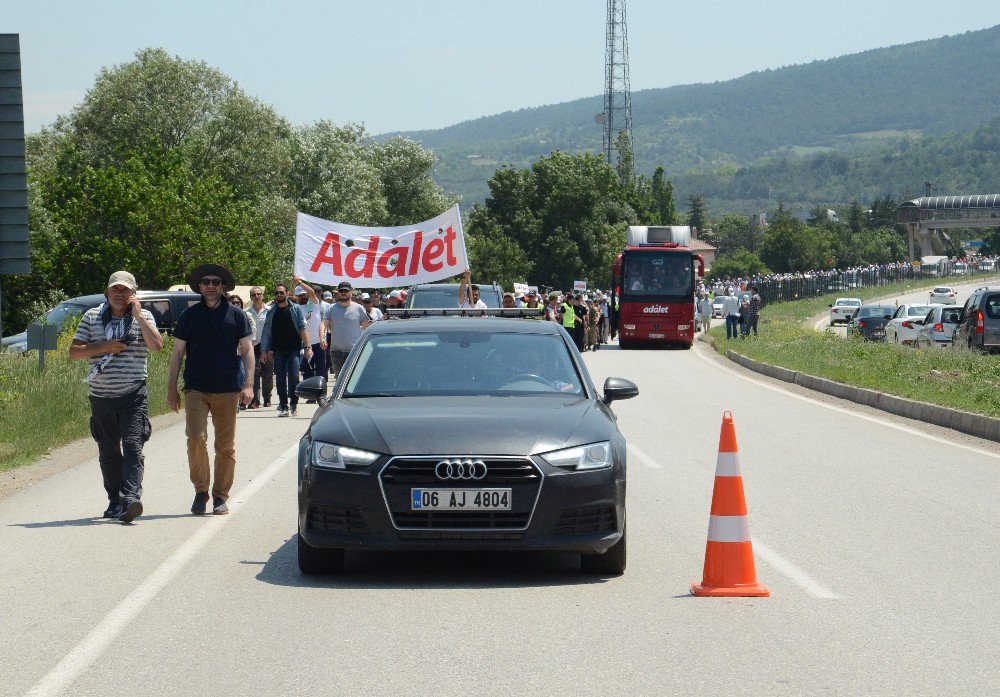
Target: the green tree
pixel 733 232
pixel 663 198
pixel 789 245
pixel 697 215
pixel 856 217
pixel 625 166
pixel 738 264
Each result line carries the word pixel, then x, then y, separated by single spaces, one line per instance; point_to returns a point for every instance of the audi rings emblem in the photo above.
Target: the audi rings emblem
pixel 460 469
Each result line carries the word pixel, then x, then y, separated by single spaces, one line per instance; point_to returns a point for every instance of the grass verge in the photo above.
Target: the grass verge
pixel 41 411
pixel 952 377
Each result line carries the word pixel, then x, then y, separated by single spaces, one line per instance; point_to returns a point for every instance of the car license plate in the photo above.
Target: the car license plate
pixel 657 336
pixel 460 499
pixel 878 335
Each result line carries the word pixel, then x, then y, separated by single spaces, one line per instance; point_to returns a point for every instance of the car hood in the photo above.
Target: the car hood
pixel 463 425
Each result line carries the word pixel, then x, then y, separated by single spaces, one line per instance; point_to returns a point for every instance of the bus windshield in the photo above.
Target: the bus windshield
pixel 657 274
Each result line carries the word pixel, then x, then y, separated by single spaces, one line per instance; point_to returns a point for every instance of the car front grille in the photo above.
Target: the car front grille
pixel 343 521
pixel 519 474
pixel 500 471
pixel 582 520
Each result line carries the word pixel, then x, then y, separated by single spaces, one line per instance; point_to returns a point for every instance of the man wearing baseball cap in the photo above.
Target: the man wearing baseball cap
pixel 116 337
pixel 210 332
pixel 346 319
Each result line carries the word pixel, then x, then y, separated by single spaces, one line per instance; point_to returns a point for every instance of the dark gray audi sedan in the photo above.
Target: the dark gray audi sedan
pixel 459 433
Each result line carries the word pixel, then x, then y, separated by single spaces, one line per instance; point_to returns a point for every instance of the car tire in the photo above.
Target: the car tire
pixel 625 345
pixel 318 560
pixel 611 563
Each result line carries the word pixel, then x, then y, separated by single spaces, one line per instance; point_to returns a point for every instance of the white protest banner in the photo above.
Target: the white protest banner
pixel 521 288
pixel 579 285
pixel 327 252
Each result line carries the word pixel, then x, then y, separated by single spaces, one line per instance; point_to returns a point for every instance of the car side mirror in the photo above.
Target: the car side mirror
pixel 830 305
pixel 312 388
pixel 887 316
pixel 618 388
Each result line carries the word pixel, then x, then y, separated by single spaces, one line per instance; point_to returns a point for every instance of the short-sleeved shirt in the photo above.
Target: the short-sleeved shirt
pixel 258 318
pixel 345 325
pixel 314 319
pixel 128 369
pixel 212 337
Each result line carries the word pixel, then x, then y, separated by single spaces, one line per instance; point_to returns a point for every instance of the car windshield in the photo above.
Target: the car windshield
pixel 463 362
pixel 849 303
pixel 444 296
pixel 875 311
pixel 942 290
pixel 918 310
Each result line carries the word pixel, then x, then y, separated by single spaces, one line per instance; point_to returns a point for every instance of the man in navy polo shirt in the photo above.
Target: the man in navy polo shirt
pixel 209 332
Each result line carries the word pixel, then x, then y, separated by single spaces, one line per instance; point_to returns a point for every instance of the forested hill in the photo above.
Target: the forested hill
pixel 852 102
pixel 957 163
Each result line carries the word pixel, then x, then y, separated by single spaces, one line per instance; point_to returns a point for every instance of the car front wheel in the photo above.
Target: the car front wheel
pixel 317 560
pixel 611 563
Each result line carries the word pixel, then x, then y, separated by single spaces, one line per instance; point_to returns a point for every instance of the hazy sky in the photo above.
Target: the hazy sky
pixel 396 65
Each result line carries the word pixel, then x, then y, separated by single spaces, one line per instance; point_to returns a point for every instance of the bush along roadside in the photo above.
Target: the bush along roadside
pixel 44 410
pixel 954 377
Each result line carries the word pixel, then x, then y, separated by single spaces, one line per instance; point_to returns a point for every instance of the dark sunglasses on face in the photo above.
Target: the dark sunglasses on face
pixel 211 281
pixel 279 292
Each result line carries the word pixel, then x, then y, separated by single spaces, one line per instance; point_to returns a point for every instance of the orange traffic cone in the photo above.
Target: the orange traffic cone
pixel 729 567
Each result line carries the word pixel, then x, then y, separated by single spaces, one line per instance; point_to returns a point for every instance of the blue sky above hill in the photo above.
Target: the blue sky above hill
pixel 397 65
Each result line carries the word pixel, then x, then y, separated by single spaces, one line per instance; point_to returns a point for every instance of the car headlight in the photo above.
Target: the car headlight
pixel 582 457
pixel 339 457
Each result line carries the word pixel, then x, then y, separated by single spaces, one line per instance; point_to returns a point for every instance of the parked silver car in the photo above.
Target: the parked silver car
pixel 939 326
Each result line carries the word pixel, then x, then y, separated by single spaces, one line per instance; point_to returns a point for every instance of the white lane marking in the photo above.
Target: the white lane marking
pixel 792 572
pixel 84 654
pixel 841 410
pixel 642 457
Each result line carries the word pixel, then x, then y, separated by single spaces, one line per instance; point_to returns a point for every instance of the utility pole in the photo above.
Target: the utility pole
pixel 617 115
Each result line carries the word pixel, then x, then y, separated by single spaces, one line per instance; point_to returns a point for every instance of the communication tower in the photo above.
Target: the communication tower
pixel 617 94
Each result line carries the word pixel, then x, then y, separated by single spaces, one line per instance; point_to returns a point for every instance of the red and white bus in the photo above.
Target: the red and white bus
pixel 653 287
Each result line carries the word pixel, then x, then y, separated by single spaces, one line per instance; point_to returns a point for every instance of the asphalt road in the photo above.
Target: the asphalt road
pixel 877 537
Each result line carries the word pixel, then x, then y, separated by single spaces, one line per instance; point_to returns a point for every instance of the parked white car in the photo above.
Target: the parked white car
pixel 943 294
pixel 717 305
pixel 939 326
pixel 905 324
pixel 843 310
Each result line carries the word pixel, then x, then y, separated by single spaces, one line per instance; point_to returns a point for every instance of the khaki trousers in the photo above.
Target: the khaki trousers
pixel 223 406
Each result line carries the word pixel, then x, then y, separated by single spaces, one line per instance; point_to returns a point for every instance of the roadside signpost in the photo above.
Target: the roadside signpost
pixel 14 252
pixel 42 338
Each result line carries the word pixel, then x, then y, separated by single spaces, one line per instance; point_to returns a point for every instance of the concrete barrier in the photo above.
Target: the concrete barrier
pixel 977 425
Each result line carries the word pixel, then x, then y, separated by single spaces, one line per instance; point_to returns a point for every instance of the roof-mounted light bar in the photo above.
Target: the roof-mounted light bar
pixel 404 313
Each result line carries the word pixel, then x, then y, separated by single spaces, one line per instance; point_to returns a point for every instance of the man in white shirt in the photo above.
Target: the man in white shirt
pixel 468 293
pixel 374 313
pixel 263 375
pixel 731 311
pixel 315 328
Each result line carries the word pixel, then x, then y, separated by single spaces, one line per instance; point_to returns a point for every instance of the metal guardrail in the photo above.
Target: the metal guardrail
pixel 822 283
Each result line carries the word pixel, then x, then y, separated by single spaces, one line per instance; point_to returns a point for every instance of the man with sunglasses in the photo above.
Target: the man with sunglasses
pixel 210 333
pixel 263 379
pixel 283 339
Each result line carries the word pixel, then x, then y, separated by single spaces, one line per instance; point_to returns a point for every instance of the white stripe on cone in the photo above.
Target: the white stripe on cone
pixel 728 465
pixel 728 528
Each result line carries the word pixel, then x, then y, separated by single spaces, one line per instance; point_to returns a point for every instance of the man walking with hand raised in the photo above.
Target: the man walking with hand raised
pixel 116 337
pixel 210 332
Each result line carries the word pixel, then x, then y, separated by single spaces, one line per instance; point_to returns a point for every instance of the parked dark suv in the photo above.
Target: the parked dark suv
pixel 165 306
pixel 437 295
pixel 979 324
